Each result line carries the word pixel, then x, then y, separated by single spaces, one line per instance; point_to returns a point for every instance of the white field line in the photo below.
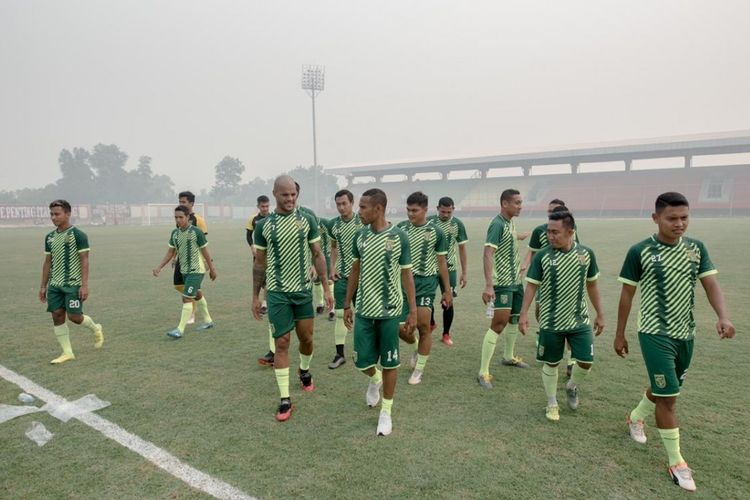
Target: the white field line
pixel 159 457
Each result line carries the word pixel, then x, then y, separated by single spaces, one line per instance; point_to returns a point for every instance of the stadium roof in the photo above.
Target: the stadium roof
pixel 666 147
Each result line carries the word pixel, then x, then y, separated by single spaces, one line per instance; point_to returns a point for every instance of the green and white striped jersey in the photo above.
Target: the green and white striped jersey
pixel 286 240
pixel 667 275
pixel 381 255
pixel 455 235
pixel 188 243
pixel 561 278
pixel 342 235
pixel 502 236
pixel 426 242
pixel 65 248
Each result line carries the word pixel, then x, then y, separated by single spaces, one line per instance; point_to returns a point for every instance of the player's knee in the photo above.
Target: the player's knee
pixel 76 318
pixel 585 366
pixel 553 365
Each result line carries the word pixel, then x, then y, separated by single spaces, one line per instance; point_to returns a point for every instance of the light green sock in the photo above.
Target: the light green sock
pixel 63 338
pixel 282 380
pixel 187 310
pixel 339 329
pixel 645 408
pixel 387 405
pixel 377 377
pixel 671 440
pixel 318 299
pixel 421 361
pixel 304 361
pixel 271 340
pixel 578 375
pixel 511 334
pixel 488 349
pixel 88 323
pixel 549 379
pixel 203 310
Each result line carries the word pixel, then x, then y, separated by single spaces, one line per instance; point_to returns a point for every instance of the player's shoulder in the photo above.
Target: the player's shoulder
pixel 541 228
pixel 403 225
pixel 498 220
pixel 581 248
pixel 693 242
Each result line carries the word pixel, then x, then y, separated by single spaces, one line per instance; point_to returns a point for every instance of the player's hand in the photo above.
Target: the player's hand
pixel 598 325
pixel 156 271
pixel 725 329
pixel 83 292
pixel 462 280
pixel 256 309
pixel 348 318
pixel 488 295
pixel 329 300
pixel 621 346
pixel 411 321
pixel 523 236
pixel 43 294
pixel 212 274
pixel 523 270
pixel 447 299
pixel 523 323
pixel 335 276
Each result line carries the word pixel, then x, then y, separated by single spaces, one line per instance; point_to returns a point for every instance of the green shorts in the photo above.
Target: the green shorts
pixel 284 308
pixel 64 297
pixel 452 281
pixel 667 362
pixel 552 345
pixel 509 297
pixel 425 287
pixel 192 283
pixel 339 292
pixel 376 340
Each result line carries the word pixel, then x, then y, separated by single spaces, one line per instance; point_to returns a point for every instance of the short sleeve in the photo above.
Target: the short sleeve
pixel 201 223
pixel 494 233
pixel 259 240
pixel 632 270
pixel 705 267
pixel 404 260
pixel 535 242
pixel 441 243
pixel 200 238
pixel 462 237
pixel 171 242
pixel 249 226
pixel 314 234
pixel 593 272
pixel 82 241
pixel 535 272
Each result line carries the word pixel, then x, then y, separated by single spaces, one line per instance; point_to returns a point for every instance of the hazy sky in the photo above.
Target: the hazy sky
pixel 188 82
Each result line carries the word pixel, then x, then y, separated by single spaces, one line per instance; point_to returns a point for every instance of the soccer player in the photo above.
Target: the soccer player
pixel 455 235
pixel 189 245
pixel 65 279
pixel 285 242
pixel 537 242
pixel 503 291
pixel 343 229
pixel 563 273
pixel 666 267
pixel 428 248
pixel 381 265
pixel 187 199
pixel 325 245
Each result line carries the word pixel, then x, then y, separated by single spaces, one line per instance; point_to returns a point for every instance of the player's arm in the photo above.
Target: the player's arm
pixel 351 289
pixel 724 326
pixel 319 261
pixel 259 280
pixel 592 288
pixel 209 262
pixel 407 281
pixel 46 266
pixel 463 260
pixel 488 260
pixel 528 298
pixel 332 274
pixel 83 292
pixel 523 236
pixel 526 261
pixel 448 293
pixel 167 258
pixel 623 311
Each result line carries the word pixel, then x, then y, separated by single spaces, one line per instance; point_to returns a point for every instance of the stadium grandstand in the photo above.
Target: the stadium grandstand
pixel 608 180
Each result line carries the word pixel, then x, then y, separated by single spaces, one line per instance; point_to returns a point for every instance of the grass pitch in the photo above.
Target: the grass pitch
pixel 205 400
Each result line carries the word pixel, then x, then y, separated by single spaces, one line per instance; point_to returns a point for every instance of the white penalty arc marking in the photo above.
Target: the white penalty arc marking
pixel 159 457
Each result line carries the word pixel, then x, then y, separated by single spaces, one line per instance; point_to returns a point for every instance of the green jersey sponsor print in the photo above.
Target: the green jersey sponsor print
pixel 381 255
pixel 538 239
pixel 426 242
pixel 501 235
pixel 188 243
pixel 561 279
pixel 65 248
pixel 666 275
pixel 455 234
pixel 342 235
pixel 286 240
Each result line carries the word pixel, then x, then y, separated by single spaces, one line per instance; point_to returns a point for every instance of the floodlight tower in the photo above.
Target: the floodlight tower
pixel 313 82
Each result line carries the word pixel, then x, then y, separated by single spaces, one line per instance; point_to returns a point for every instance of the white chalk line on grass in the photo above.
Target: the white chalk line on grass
pixel 159 457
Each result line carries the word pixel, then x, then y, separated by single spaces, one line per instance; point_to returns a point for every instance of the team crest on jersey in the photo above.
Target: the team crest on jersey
pixel 692 255
pixel 582 259
pixel 389 244
pixel 300 224
pixel 427 235
pixel 660 380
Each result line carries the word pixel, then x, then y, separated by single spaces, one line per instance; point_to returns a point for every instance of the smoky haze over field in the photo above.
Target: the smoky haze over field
pixel 188 83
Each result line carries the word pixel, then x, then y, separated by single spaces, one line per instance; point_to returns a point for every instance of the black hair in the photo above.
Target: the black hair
pixel 182 208
pixel 557 201
pixel 262 199
pixel 563 214
pixel 446 201
pixel 296 185
pixel 670 199
pixel 508 194
pixel 187 194
pixel 418 198
pixel 377 195
pixel 62 204
pixel 344 192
